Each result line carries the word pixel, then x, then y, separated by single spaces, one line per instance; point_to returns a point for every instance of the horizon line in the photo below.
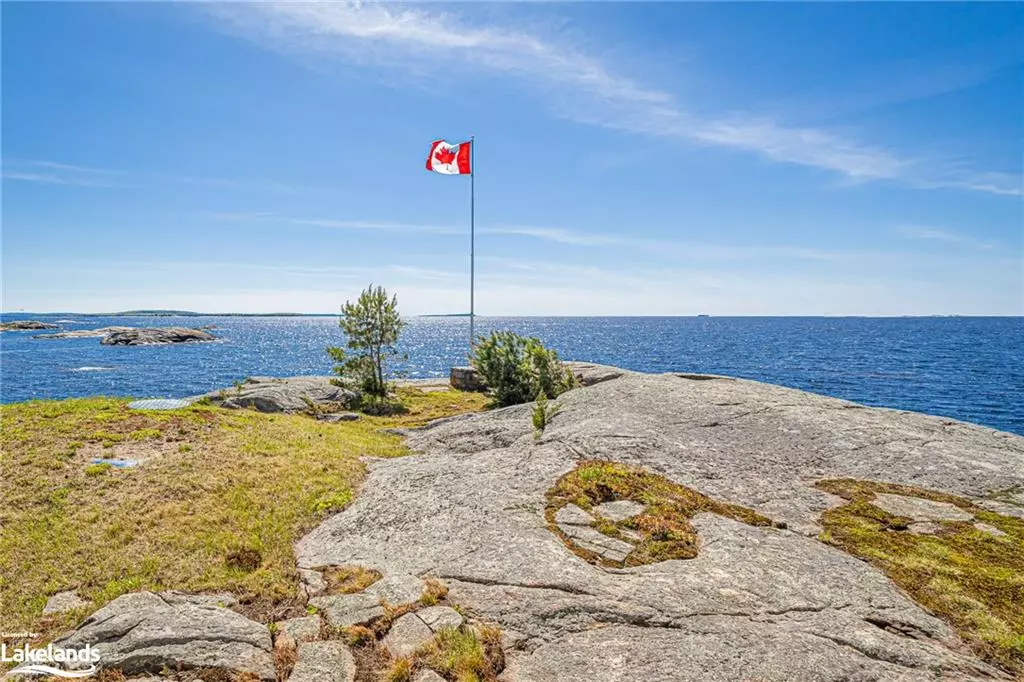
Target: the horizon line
pixel 4 314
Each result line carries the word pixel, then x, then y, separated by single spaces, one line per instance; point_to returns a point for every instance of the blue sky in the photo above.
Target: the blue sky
pixel 634 158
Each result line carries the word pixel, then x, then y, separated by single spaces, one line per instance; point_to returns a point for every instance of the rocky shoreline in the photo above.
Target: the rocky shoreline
pixel 25 325
pixel 470 512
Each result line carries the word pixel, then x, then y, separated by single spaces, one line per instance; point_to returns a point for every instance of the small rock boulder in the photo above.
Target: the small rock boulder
pixel 289 394
pixel 156 335
pixel 407 635
pixel 143 632
pixel 63 602
pixel 397 589
pixel 990 529
pixel 336 417
pixel 619 510
pixel 588 373
pixel 329 661
pixel 343 610
pixel 467 379
pixel 304 629
pixel 575 523
pixel 438 617
pixel 311 583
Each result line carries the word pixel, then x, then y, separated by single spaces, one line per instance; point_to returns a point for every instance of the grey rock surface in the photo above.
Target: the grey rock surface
pixel 594 540
pixel 588 373
pixel 329 661
pixel 342 610
pixel 311 583
pixel 397 589
pixel 991 530
pixel 756 603
pixel 407 635
pixel 156 335
pixel 288 394
pixel 920 509
pixel 84 333
pixel 63 602
pixel 619 510
pixel 571 515
pixel 142 632
pixel 301 629
pixel 438 617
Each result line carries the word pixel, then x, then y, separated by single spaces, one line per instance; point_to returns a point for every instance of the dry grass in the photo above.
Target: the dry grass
pixel 349 579
pixel 970 578
pixel 217 508
pixel 664 524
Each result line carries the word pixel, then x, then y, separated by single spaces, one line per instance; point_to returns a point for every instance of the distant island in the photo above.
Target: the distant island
pixel 191 313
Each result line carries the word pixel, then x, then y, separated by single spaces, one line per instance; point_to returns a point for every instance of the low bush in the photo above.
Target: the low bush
pixel 517 369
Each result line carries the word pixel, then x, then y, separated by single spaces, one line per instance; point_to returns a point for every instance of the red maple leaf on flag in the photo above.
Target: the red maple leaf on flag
pixel 446 155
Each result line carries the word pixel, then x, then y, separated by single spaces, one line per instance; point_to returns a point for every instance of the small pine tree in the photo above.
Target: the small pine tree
pixel 517 368
pixel 372 325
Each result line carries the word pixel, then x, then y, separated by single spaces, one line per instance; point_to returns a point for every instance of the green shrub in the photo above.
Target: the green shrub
pixel 372 325
pixel 517 369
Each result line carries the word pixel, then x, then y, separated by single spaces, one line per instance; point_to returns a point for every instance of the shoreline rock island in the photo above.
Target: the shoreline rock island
pixel 134 336
pixel 659 528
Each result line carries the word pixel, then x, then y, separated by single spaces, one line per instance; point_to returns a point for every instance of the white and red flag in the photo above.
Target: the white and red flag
pixel 449 159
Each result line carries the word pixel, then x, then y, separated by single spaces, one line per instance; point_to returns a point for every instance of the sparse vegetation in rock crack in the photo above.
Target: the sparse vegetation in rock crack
pixel 961 561
pixel 613 514
pixel 430 634
pixel 543 412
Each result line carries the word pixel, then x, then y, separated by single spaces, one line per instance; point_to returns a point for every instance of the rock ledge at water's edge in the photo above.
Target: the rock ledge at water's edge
pixel 756 603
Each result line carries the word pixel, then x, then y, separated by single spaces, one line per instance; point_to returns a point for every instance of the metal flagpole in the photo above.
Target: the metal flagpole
pixel 472 235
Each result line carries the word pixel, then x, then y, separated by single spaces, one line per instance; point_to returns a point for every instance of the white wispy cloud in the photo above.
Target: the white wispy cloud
pixel 935 234
pixel 73 175
pixel 557 235
pixel 53 179
pixel 54 173
pixel 580 85
pixel 625 238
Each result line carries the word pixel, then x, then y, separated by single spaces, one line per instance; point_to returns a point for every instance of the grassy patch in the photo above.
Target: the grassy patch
pixel 219 509
pixel 972 579
pixel 464 654
pixel 664 524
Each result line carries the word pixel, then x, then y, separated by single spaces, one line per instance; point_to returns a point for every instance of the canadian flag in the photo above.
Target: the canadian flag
pixel 449 159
